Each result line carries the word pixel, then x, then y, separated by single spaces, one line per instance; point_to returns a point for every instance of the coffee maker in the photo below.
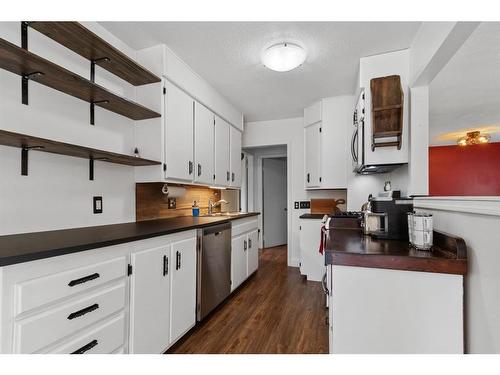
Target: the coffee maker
pixel 386 216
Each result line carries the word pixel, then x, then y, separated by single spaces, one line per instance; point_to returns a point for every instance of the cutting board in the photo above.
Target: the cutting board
pixel 325 206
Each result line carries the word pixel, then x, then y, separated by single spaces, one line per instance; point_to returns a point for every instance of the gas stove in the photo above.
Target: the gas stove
pixel 347 214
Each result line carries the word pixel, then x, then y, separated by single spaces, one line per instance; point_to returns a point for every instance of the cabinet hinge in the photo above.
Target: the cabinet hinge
pixel 164 91
pixel 164 167
pixel 129 270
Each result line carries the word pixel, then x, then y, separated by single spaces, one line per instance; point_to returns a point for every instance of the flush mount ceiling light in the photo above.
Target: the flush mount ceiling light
pixel 473 138
pixel 283 57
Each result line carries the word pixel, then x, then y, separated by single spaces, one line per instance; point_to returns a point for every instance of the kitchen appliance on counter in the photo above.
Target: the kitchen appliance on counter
pixel 385 216
pixel 214 268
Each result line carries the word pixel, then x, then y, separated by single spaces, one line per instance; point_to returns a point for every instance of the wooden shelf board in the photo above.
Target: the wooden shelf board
pixel 19 61
pixel 386 134
pixel 46 145
pixel 84 42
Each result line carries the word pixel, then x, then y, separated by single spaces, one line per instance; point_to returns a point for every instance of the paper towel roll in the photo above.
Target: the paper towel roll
pixel 173 191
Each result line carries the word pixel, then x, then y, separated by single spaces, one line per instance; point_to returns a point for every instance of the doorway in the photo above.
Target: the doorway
pixel 274 201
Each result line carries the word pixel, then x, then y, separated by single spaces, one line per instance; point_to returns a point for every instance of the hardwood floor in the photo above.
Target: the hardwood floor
pixel 275 311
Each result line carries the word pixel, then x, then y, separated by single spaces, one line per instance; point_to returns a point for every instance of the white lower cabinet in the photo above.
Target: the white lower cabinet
pixel 163 293
pixel 253 252
pixel 150 300
pixel 238 261
pixel 183 288
pixel 137 297
pixel 244 250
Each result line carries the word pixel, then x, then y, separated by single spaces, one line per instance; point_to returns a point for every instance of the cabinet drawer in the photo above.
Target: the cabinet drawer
pixel 104 339
pixel 47 289
pixel 43 329
pixel 244 225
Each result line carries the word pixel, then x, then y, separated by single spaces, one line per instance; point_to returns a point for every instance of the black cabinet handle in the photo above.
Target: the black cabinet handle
pixel 308 177
pixel 178 260
pixel 86 348
pixel 190 167
pixel 82 312
pixel 84 279
pixel 245 245
pixel 165 265
pixel 227 176
pixel 199 169
pixel 249 243
pixel 232 176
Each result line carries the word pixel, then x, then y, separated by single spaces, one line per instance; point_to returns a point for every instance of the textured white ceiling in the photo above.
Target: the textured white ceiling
pixel 465 95
pixel 227 55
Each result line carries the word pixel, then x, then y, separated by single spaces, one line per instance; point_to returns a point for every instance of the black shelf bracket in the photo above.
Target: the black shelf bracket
pixel 92 79
pixel 24 158
pixel 91 169
pixel 92 110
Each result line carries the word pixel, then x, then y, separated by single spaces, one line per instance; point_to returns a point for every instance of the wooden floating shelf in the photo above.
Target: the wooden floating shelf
pixel 84 42
pixel 28 65
pixel 28 142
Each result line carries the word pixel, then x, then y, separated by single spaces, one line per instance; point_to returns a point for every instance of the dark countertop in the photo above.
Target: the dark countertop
pixel 311 216
pixel 25 247
pixel 350 247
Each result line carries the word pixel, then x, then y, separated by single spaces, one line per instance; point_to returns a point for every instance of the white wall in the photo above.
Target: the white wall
pixel 476 220
pixel 288 132
pixel 57 192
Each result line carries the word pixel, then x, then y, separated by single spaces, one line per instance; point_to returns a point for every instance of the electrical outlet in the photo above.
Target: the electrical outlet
pixel 98 205
pixel 305 204
pixel 296 205
pixel 172 203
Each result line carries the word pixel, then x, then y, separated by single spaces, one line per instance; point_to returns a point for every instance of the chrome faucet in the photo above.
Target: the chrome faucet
pixel 211 205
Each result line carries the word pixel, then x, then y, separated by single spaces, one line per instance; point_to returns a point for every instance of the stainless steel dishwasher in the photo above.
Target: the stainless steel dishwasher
pixel 214 268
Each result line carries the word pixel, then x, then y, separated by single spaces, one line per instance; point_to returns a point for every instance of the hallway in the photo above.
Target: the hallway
pixel 275 311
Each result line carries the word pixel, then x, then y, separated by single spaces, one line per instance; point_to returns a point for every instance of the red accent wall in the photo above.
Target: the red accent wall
pixel 469 170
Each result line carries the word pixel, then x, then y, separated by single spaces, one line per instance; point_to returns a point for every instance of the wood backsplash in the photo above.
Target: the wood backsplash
pixel 151 203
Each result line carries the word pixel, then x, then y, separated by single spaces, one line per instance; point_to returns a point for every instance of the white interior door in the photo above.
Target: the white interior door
pixel 179 108
pixel 183 288
pixel 274 193
pixel 222 154
pixel 204 144
pixel 150 301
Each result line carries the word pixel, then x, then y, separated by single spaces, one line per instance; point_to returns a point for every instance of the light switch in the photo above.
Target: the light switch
pixel 98 205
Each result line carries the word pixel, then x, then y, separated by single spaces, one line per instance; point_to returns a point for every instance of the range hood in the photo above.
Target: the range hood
pixel 379 168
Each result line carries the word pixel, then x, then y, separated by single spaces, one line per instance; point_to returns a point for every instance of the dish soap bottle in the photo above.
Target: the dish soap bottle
pixel 196 209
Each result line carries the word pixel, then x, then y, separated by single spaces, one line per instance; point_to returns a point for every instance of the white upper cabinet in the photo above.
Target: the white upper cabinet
pixel 312 153
pixel 235 145
pixel 179 116
pixel 327 124
pixel 204 145
pixel 222 152
pixel 312 114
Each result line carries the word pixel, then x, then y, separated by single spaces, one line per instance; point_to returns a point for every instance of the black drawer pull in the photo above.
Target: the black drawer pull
pixel 84 279
pixel 249 243
pixel 84 311
pixel 165 265
pixel 178 259
pixel 86 348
